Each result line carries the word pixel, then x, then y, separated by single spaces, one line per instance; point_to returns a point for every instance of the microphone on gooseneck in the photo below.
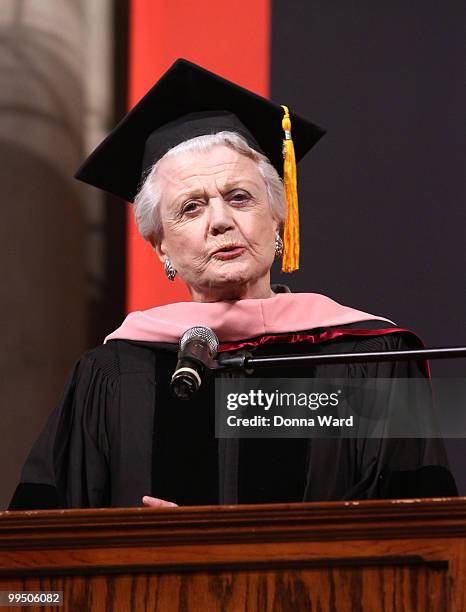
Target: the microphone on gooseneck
pixel 198 347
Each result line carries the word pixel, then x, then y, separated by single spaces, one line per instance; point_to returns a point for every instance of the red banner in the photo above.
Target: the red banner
pixel 231 39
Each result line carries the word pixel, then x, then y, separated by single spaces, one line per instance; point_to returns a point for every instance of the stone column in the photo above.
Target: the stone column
pixel 49 234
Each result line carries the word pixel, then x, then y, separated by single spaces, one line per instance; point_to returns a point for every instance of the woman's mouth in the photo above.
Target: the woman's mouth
pixel 229 252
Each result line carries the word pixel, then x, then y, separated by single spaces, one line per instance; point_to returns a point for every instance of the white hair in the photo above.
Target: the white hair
pixel 147 201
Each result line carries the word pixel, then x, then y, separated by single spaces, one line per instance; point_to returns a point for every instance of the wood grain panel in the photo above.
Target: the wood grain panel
pixel 369 556
pixel 391 589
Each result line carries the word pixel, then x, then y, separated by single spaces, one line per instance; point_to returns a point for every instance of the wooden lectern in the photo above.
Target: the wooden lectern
pixel 395 555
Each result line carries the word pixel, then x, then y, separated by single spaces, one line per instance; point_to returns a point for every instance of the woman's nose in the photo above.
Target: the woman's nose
pixel 221 217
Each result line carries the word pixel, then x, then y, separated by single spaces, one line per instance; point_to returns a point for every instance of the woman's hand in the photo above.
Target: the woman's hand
pixel 155 502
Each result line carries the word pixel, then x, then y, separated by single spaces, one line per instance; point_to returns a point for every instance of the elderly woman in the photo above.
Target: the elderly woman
pixel 212 205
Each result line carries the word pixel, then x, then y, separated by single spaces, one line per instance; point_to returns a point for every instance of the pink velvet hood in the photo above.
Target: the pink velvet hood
pixel 239 320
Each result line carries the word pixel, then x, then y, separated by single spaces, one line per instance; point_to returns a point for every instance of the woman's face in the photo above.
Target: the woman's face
pixel 218 229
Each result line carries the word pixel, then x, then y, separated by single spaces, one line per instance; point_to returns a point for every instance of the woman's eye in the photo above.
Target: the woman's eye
pixel 240 196
pixel 190 207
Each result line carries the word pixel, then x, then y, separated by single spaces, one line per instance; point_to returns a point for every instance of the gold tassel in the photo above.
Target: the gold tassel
pixel 290 261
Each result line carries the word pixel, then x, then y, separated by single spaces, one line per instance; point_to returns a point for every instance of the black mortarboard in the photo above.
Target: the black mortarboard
pixel 188 101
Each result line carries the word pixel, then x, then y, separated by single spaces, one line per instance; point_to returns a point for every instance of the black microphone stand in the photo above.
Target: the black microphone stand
pixel 246 361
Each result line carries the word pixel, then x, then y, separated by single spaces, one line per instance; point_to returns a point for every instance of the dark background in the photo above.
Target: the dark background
pixel 382 195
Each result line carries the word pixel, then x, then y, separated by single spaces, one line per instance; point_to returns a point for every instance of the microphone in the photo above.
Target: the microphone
pixel 198 347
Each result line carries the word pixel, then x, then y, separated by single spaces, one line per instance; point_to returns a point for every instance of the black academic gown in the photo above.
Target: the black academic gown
pixel 118 435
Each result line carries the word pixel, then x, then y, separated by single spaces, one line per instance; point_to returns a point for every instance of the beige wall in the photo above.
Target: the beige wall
pixel 50 245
